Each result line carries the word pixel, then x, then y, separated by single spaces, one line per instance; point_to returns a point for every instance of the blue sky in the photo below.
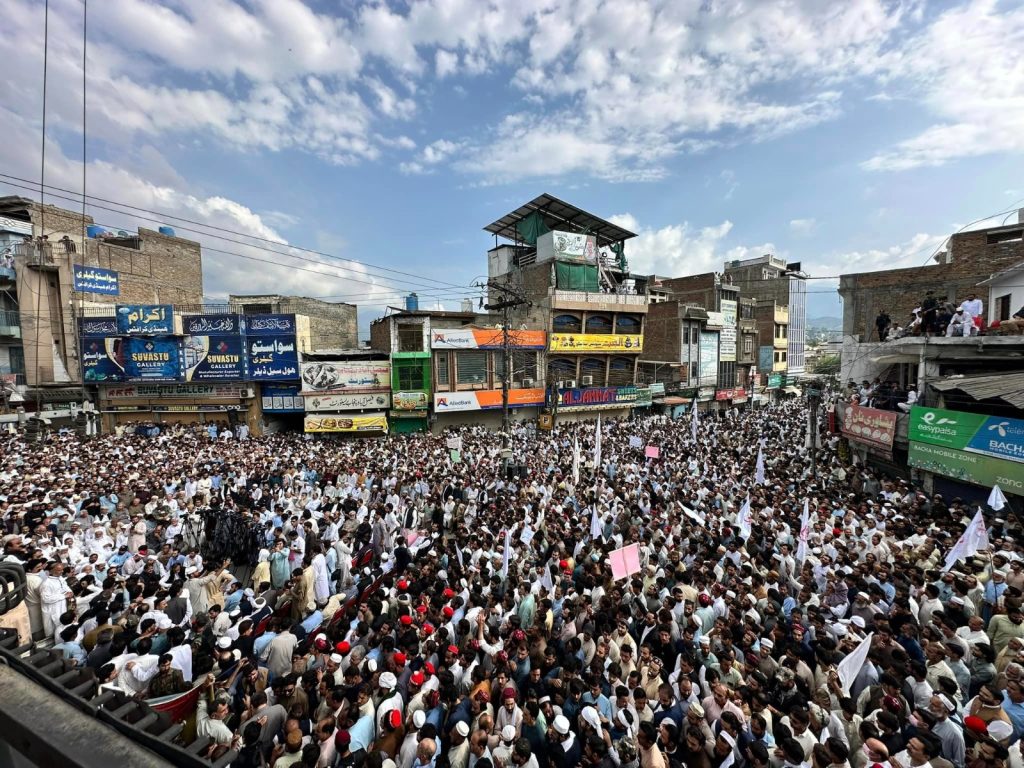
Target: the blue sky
pixel 849 136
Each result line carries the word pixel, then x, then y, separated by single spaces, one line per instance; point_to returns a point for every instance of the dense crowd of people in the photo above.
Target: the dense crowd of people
pixel 414 608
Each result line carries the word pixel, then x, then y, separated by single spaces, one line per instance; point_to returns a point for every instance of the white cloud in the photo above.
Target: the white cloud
pixel 914 252
pixel 968 69
pixel 802 227
pixel 445 63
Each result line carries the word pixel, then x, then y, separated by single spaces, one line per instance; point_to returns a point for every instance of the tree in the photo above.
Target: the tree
pixel 827 364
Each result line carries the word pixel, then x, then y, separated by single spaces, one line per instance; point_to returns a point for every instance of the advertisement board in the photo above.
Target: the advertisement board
pixel 485 338
pixel 98 326
pixel 271 357
pixel 573 245
pixel 485 399
pixel 346 376
pixel 145 319
pixel 774 381
pixel 150 359
pixel 325 422
pixel 409 401
pixel 214 358
pixel 98 362
pixel 967 467
pixel 765 358
pixel 727 337
pixel 95 280
pixel 348 401
pixel 995 436
pixel 596 342
pixel 214 391
pixel 870 426
pixel 708 358
pixel 211 325
pixel 596 398
pixel 270 325
pixel 281 398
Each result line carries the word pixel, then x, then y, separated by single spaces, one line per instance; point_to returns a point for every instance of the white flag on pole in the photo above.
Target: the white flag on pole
pixel 850 667
pixel 595 524
pixel 759 469
pixel 545 579
pixel 975 539
pixel 507 554
pixel 996 499
pixel 744 520
pixel 805 533
pixel 597 444
pixel 576 461
pixel 693 420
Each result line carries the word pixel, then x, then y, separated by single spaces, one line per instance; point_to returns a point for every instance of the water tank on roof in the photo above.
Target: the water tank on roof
pixel 467 305
pixel 169 231
pixel 93 230
pixel 412 303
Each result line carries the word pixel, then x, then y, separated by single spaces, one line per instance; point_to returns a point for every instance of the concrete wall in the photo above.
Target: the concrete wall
pixel 333 325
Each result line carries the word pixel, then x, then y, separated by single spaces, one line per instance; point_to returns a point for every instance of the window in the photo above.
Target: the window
pixel 410 377
pixel 686 335
pixel 524 365
pixel 785 355
pixel 627 324
pixel 471 367
pixel 1003 307
pixel 561 368
pixel 694 372
pixel 1005 237
pixel 748 345
pixel 620 371
pixel 441 376
pixel 593 366
pixel 257 309
pixel 566 324
pixel 599 324
pixel 410 338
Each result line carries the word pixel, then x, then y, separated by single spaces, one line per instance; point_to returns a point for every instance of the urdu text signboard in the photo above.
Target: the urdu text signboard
pixel 727 350
pixel 211 325
pixel 95 280
pixel 870 426
pixel 348 401
pixel 343 376
pixel 145 319
pixel 272 358
pixel 596 342
pixel 322 422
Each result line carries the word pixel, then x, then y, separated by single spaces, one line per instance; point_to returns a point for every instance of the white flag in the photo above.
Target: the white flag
pixel 975 539
pixel 597 444
pixel 458 554
pixel 595 524
pixel 805 533
pixel 545 579
pixel 693 420
pixel 743 519
pixel 576 461
pixel 996 499
pixel 850 667
pixel 507 555
pixel 759 469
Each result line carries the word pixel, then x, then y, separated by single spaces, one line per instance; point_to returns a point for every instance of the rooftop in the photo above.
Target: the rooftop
pixel 558 214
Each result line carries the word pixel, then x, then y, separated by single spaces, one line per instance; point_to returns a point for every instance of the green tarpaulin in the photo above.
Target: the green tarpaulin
pixel 576 277
pixel 531 228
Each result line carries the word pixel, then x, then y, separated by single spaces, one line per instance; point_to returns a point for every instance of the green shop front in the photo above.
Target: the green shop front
pixel 410 392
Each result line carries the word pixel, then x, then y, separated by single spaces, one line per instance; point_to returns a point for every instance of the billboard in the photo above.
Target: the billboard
pixel 214 358
pixel 280 398
pixel 596 398
pixel 270 325
pixel 727 337
pixel 211 325
pixel 150 359
pixel 486 338
pixel 348 401
pixel 346 376
pixel 967 467
pixel 870 426
pixel 145 319
pixel 596 342
pixel 409 401
pixel 708 358
pixel 95 280
pixel 98 362
pixel 485 399
pixel 995 436
pixel 774 381
pixel 271 357
pixel 322 422
pixel 98 326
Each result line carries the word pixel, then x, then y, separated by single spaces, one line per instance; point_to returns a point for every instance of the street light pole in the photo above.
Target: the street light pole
pixel 511 299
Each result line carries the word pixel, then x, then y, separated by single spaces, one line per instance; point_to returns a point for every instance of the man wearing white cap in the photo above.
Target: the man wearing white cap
pixel 566 750
pixel 391 698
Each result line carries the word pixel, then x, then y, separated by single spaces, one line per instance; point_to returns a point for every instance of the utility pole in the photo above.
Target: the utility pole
pixel 510 299
pixel 813 399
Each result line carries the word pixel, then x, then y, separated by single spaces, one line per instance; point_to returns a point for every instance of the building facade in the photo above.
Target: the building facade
pixel 332 325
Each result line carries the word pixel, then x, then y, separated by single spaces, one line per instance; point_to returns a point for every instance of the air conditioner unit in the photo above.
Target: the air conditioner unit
pixel 588 381
pixel 528 383
pixel 570 384
pixel 249 392
pixel 562 385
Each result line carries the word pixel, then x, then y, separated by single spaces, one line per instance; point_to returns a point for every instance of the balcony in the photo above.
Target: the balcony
pixel 781 315
pixel 10 324
pixel 7 274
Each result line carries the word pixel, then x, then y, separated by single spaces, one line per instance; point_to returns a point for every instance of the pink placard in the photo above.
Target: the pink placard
pixel 652 452
pixel 625 561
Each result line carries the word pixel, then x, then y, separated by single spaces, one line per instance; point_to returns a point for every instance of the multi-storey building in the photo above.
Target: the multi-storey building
pixel 332 324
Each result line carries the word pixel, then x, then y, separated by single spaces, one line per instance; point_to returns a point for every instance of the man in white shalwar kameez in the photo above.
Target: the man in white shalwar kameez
pixel 53 595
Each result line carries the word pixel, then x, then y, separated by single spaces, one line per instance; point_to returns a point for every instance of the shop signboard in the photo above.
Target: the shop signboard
pixel 348 401
pixel 596 398
pixel 95 280
pixel 325 422
pixel 98 361
pixel 870 426
pixel 270 325
pixel 214 358
pixel 995 436
pixel 976 468
pixel 644 397
pixel 211 325
pixel 774 381
pixel 486 399
pixel 485 338
pixel 271 357
pixel 214 391
pixel 98 326
pixel 342 376
pixel 281 398
pixel 145 319
pixel 596 342
pixel 708 358
pixel 727 350
pixel 156 358
pixel 409 401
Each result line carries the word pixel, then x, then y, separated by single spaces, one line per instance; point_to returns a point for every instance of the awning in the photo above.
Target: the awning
pixel 792 390
pixel 1008 387
pixel 54 395
pixel 671 400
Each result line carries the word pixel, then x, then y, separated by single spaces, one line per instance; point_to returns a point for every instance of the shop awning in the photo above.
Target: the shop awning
pixel 54 395
pixel 1008 387
pixel 671 400
pixel 792 390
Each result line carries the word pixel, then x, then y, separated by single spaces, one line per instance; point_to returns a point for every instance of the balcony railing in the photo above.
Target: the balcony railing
pixel 10 323
pixel 596 297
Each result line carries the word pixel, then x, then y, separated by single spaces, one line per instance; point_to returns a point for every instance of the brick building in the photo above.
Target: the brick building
pixel 333 325
pixel 971 258
pixel 154 267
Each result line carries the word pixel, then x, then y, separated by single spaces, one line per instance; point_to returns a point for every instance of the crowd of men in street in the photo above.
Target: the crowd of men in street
pixel 413 608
